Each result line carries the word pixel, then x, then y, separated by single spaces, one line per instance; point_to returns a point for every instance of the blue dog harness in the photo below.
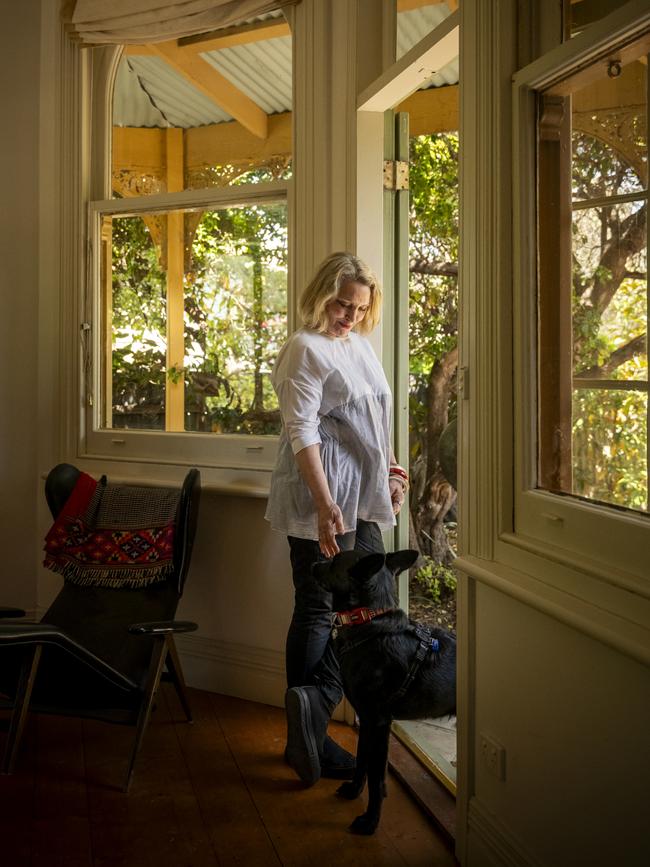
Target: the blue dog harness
pixel 428 644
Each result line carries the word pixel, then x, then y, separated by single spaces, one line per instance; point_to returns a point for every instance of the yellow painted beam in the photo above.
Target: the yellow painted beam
pixel 214 85
pixel 226 143
pixel 107 320
pixel 214 40
pixel 175 390
pixel 137 149
pixel 433 110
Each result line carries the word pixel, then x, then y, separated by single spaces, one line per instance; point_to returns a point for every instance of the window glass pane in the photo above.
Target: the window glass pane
pixel 195 314
pixel 597 169
pixel 205 111
pixel 134 378
pixel 579 14
pixel 610 292
pixel 593 290
pixel 610 442
pixel 609 131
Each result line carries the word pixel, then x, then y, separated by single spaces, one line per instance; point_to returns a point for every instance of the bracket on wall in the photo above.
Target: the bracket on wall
pixel 396 175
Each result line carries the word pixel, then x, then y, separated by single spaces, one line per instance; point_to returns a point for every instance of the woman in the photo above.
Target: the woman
pixel 336 485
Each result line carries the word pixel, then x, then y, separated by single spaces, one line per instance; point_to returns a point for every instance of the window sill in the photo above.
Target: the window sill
pixel 603 611
pixel 234 483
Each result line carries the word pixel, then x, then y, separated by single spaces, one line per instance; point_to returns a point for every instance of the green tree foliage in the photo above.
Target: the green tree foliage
pixel 610 316
pixel 235 321
pixel 236 318
pixel 139 323
pixel 433 292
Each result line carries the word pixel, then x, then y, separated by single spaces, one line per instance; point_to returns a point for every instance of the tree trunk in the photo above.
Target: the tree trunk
pixel 433 496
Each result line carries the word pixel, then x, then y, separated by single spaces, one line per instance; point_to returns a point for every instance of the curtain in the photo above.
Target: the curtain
pixel 101 22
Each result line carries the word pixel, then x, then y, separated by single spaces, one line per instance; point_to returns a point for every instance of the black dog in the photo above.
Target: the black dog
pixel 392 668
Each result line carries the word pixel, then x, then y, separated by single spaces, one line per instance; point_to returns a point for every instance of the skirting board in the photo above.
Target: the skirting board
pixel 253 673
pixel 490 843
pixel 240 670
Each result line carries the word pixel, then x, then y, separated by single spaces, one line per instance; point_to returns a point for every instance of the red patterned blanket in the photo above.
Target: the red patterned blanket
pixel 113 535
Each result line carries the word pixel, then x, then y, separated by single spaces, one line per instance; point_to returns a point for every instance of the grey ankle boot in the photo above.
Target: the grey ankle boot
pixel 307 717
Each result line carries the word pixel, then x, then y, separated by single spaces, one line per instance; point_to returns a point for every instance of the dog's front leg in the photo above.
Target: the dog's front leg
pixel 354 787
pixel 377 760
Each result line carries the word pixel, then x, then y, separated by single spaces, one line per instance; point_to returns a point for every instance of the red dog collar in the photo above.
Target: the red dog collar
pixel 357 616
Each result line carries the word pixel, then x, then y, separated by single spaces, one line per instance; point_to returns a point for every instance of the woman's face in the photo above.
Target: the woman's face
pixel 347 309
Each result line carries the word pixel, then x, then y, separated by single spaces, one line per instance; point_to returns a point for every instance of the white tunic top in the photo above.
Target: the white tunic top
pixel 332 391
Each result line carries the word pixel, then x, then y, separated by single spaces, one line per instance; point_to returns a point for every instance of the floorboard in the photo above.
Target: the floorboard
pixel 215 793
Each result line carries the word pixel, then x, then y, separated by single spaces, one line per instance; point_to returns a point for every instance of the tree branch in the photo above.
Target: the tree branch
pixel 624 243
pixel 619 356
pixel 442 269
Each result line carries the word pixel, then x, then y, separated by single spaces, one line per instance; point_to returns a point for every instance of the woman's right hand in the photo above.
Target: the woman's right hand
pixel 330 524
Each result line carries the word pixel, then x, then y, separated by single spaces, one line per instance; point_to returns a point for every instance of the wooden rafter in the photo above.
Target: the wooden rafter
pixel 214 85
pixel 143 150
pixel 226 38
pixel 214 40
pixel 408 5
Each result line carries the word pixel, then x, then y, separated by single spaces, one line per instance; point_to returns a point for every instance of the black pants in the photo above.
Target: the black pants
pixel 310 656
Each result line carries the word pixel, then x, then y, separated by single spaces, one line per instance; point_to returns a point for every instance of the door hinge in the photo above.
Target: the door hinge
pixel 396 175
pixel 463 383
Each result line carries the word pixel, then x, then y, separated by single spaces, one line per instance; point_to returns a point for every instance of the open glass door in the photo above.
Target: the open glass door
pixel 420 91
pixel 424 260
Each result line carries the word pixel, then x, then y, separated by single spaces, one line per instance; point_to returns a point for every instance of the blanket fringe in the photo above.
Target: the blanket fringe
pixel 85 576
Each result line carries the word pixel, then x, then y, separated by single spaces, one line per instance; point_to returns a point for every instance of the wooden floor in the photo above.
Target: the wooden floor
pixel 213 793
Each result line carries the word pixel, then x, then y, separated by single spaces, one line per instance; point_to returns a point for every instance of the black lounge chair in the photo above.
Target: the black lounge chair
pixel 98 652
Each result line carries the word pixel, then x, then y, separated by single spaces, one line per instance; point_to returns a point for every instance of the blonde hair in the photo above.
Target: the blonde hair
pixel 333 273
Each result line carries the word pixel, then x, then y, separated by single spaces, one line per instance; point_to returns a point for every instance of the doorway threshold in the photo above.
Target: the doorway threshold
pixel 433 742
pixel 433 797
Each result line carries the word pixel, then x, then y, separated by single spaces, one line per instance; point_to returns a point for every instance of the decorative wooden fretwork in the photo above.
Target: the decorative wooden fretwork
pixel 128 183
pixel 622 129
pixel 201 177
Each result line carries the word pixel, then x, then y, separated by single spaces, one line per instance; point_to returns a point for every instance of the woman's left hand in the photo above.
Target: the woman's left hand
pixel 397 494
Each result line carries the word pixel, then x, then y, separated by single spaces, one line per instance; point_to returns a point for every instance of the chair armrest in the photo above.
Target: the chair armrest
pixel 26 634
pixel 11 612
pixel 163 627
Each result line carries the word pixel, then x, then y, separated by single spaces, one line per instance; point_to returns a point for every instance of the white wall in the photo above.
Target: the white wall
pixel 574 717
pixel 19 308
pixel 239 590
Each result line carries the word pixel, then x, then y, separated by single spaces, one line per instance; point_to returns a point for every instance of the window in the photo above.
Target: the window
pixel 593 291
pixel 583 292
pixel 192 332
pixel 189 298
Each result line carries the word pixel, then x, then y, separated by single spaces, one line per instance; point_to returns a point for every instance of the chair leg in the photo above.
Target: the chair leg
pixel 153 679
pixel 21 706
pixel 176 674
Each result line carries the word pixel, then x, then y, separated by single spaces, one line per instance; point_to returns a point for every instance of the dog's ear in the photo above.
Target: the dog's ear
pixel 401 560
pixel 366 567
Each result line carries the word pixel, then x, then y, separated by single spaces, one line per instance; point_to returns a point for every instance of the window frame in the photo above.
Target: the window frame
pixel 601 538
pixel 220 452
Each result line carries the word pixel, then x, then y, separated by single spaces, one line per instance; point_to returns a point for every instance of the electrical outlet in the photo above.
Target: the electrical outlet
pixel 493 755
